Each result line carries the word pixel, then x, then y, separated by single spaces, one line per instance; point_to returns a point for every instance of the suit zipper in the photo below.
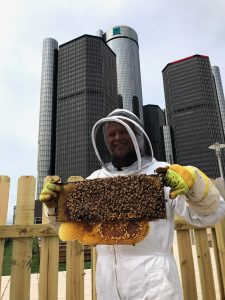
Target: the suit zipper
pixel 115 270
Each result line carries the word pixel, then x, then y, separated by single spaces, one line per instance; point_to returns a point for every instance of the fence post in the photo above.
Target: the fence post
pixel 220 236
pixel 49 261
pixel 220 232
pixel 74 271
pixel 22 247
pixel 186 264
pixel 4 196
pixel 93 270
pixel 218 265
pixel 204 264
pixel 74 265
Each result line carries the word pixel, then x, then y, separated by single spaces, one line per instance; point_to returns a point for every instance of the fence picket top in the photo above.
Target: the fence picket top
pixel 4 178
pixel 25 200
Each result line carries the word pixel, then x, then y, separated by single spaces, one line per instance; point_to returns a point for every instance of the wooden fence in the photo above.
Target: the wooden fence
pixel 24 230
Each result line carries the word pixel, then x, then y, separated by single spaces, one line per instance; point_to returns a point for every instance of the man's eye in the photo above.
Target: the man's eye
pixel 123 132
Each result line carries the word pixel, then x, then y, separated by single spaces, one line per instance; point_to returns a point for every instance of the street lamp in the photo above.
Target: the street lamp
pixel 217 147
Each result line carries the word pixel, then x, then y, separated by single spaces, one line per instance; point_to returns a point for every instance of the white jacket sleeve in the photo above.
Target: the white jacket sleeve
pixel 202 205
pixel 50 213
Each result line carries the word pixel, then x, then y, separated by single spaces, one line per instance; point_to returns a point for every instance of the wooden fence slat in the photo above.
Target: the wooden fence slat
pixel 220 236
pixel 22 247
pixel 204 264
pixel 93 270
pixel 186 265
pixel 49 261
pixel 74 271
pixel 49 257
pixel 4 196
pixel 218 266
pixel 74 265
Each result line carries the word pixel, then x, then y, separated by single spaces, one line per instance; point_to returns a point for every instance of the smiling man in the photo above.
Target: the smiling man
pixel 120 145
pixel 119 140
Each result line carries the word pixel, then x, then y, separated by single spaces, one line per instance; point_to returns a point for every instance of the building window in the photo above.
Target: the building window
pixel 116 30
pixel 37 220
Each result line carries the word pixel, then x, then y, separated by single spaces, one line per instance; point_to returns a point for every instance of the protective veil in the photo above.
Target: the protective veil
pixel 147 271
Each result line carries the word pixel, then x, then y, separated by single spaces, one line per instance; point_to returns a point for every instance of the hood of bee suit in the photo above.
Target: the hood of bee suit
pixel 136 132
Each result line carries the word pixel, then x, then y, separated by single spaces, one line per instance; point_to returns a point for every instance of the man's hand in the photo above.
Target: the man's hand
pixel 51 189
pixel 180 179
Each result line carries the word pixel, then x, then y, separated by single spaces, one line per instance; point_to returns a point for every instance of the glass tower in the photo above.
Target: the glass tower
pixel 123 40
pixel 78 87
pixel 193 112
pixel 86 92
pixel 220 94
pixel 154 120
pixel 46 140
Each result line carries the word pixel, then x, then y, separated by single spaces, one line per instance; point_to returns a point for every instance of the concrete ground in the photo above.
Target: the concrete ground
pixel 34 286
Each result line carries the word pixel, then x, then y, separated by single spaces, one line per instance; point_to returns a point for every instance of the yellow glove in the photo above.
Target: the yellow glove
pixel 180 179
pixel 50 191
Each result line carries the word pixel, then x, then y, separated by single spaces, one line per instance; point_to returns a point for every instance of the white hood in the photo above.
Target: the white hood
pixel 138 135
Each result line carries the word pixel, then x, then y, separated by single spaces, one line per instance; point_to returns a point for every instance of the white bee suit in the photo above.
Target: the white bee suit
pixel 148 271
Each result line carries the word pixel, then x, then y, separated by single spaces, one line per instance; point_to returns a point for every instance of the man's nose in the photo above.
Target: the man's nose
pixel 117 136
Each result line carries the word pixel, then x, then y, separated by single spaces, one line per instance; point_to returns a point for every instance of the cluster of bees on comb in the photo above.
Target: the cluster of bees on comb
pixel 133 197
pixel 116 210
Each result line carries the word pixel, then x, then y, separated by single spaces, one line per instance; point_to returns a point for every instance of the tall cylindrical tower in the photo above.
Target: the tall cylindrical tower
pixel 48 100
pixel 123 40
pixel 220 94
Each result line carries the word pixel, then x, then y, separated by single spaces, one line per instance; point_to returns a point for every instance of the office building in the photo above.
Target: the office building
pixel 154 120
pixel 86 92
pixel 83 90
pixel 220 94
pixel 193 112
pixel 123 40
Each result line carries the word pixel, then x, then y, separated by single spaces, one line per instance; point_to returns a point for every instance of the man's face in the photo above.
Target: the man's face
pixel 119 140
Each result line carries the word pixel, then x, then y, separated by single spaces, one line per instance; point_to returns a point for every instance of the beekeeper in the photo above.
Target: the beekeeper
pixel 146 271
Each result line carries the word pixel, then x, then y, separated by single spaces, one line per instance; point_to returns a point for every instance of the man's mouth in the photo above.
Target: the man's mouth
pixel 119 145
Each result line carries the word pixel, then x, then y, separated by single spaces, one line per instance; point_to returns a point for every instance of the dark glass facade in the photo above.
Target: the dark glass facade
pixel 154 120
pixel 193 112
pixel 86 92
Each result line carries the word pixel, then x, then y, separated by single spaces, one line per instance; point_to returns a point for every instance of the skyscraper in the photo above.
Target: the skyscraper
pixel 220 94
pixel 79 86
pixel 193 112
pixel 46 140
pixel 87 91
pixel 123 40
pixel 168 144
pixel 154 120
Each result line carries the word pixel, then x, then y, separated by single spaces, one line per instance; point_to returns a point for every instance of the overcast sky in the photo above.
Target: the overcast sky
pixel 167 31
